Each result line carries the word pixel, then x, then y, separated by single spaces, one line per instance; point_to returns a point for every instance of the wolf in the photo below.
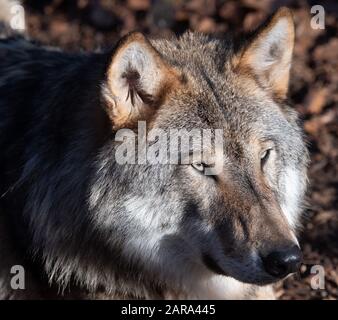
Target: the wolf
pixel 84 226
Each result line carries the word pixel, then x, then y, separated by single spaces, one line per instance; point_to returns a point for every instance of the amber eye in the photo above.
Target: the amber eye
pixel 199 166
pixel 265 157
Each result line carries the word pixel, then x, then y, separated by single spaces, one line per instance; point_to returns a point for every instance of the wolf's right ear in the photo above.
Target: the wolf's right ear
pixel 138 80
pixel 267 56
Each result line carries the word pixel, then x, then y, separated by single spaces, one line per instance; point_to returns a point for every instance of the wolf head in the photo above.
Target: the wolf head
pixel 170 225
pixel 174 221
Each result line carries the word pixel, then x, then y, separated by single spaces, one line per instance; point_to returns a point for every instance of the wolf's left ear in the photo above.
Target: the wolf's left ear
pixel 268 54
pixel 138 79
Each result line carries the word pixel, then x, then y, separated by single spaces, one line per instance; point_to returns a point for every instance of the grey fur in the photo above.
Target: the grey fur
pixel 83 226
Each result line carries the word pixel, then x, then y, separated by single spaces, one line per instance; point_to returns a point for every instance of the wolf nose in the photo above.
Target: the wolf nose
pixel 282 262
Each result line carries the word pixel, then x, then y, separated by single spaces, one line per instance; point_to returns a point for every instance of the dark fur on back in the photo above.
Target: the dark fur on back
pixel 51 128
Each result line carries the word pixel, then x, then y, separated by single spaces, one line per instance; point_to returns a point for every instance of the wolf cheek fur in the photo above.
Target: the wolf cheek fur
pixel 81 221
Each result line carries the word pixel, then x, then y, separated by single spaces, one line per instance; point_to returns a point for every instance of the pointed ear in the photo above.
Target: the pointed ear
pixel 268 54
pixel 138 80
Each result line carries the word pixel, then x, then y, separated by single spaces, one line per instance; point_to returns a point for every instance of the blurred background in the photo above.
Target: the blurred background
pixel 91 24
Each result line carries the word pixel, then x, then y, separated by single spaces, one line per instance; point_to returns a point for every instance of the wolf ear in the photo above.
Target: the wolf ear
pixel 138 79
pixel 269 53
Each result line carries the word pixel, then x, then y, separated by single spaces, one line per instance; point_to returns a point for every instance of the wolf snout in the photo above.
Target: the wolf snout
pixel 281 262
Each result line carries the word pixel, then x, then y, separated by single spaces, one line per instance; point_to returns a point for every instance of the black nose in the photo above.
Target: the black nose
pixel 282 262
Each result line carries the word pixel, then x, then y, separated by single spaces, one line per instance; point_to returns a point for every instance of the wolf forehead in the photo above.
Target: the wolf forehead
pixel 212 93
pixel 195 52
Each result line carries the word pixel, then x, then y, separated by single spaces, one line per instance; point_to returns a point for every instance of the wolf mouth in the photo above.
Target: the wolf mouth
pixel 261 280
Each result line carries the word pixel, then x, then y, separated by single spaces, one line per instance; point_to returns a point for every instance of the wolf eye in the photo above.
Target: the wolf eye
pixel 265 156
pixel 199 166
